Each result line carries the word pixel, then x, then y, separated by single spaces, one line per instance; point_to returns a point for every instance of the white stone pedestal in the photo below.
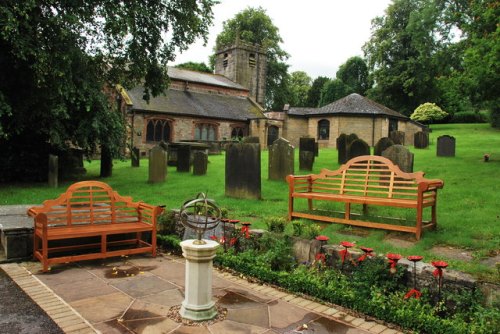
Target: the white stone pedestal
pixel 198 304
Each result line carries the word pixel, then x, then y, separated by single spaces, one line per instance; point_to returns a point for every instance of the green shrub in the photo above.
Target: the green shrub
pixel 298 228
pixel 167 222
pixel 427 113
pixel 468 117
pixel 275 224
pixel 311 231
pixel 170 243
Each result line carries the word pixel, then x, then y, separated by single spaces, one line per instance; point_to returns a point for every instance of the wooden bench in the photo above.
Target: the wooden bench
pixel 91 221
pixel 366 180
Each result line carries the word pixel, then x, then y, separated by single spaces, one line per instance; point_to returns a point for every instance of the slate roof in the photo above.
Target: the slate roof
pixel 195 104
pixel 202 77
pixel 353 104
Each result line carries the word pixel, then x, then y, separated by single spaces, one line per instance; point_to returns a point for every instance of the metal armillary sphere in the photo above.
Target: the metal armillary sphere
pixel 201 214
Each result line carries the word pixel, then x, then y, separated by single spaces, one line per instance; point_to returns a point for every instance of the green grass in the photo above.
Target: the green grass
pixel 468 205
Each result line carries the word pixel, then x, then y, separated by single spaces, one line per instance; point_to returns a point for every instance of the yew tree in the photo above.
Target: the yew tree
pixel 58 58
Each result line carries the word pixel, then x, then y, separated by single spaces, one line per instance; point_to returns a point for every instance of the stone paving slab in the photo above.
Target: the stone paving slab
pixel 105 303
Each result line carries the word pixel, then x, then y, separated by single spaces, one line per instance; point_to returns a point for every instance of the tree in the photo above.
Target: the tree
pixel 354 73
pixel 314 94
pixel 300 83
pixel 428 113
pixel 200 67
pixel 58 58
pixel 254 26
pixel 334 90
pixel 400 55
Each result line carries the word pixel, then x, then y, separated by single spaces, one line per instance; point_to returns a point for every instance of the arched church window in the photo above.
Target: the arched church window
pixel 237 133
pixel 324 129
pixel 204 131
pixel 158 130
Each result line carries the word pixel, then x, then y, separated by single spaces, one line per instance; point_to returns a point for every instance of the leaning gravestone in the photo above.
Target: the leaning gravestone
pixel 135 155
pixel 243 170
pixel 382 144
pixel 400 156
pixel 281 159
pixel 183 158
pixel 357 148
pixel 446 146
pixel 157 165
pixel 200 163
pixel 53 170
pixel 398 137
pixel 421 139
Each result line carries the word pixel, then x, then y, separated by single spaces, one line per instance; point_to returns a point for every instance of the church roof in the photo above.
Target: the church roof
pixel 202 77
pixel 196 104
pixel 353 104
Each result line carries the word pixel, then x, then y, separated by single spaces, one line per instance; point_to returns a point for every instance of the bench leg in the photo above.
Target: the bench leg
pixel 365 209
pixel 347 213
pixel 418 232
pixel 104 244
pixel 45 255
pixel 290 207
pixel 153 242
pixel 310 204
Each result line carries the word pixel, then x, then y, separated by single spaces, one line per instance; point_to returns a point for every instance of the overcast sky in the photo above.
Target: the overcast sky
pixel 319 35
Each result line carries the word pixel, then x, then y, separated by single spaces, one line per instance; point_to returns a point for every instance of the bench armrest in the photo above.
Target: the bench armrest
pixel 148 213
pixel 430 185
pixel 303 183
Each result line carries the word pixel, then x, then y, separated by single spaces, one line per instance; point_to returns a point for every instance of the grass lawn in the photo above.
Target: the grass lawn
pixel 468 205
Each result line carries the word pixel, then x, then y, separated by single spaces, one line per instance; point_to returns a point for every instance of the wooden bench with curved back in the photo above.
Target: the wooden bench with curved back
pixel 366 180
pixel 89 211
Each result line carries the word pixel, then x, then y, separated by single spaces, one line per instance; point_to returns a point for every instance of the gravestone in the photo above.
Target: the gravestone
pixel 157 165
pixel 70 164
pixel 382 144
pixel 281 159
pixel 400 156
pixel 106 162
pixel 398 137
pixel 307 144
pixel 343 142
pixel 200 163
pixel 357 148
pixel 183 158
pixel 135 156
pixel 316 149
pixel 446 146
pixel 306 160
pixel 53 170
pixel 421 139
pixel 243 170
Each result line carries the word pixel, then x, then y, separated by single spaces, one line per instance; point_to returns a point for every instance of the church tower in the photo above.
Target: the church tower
pixel 246 65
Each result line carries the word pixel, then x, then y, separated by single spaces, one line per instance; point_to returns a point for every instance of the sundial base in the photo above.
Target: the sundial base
pixel 198 304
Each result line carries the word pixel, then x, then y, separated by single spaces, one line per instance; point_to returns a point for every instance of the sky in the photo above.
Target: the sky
pixel 319 35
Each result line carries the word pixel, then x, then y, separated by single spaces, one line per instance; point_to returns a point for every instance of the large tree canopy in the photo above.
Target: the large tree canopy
pixel 254 26
pixel 354 73
pixel 314 94
pixel 300 84
pixel 58 56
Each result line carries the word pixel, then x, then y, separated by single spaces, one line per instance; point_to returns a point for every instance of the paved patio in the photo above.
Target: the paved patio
pixel 134 295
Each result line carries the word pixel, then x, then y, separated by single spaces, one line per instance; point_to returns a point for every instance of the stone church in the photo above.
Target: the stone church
pixel 228 104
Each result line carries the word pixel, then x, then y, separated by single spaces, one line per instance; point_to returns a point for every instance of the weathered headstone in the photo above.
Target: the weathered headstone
pixel 398 137
pixel 281 159
pixel 400 156
pixel 421 139
pixel 71 164
pixel 446 146
pixel 307 144
pixel 382 144
pixel 106 162
pixel 200 163
pixel 157 165
pixel 343 142
pixel 306 160
pixel 135 156
pixel 316 149
pixel 171 150
pixel 357 148
pixel 183 158
pixel 243 170
pixel 53 170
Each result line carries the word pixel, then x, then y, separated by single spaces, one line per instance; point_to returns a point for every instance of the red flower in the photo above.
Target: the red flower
pixel 234 221
pixel 232 241
pixel 440 265
pixel 320 257
pixel 415 258
pixel 322 238
pixel 347 244
pixel 393 260
pixel 367 252
pixel 246 231
pixel 213 237
pixel 413 293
